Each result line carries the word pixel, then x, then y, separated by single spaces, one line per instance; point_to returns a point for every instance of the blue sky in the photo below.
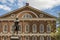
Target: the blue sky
pixel 50 6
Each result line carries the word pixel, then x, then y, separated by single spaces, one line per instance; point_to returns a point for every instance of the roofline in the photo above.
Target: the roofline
pixel 29 7
pixel 43 12
pixel 12 11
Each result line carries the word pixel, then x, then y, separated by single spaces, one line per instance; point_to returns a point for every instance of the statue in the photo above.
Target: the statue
pixel 16 26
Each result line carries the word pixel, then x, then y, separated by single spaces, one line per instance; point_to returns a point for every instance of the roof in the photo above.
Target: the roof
pixel 27 5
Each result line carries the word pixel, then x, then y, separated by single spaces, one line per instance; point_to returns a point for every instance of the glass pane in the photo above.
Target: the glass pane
pixel 27 28
pixel 34 28
pixel 26 38
pixel 34 38
pixel 5 38
pixel 20 28
pixel 49 38
pixel 41 38
pixel 5 28
pixel 41 28
pixel 48 28
pixel 27 16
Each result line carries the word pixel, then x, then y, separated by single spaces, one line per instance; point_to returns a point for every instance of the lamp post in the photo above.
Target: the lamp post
pixel 16 26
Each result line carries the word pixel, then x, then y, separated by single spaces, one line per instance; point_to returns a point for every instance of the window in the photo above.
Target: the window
pixel 27 28
pixel 41 28
pixel 34 38
pixel 12 28
pixel 5 29
pixel 48 28
pixel 41 38
pixel 26 38
pixel 20 38
pixel 20 28
pixel 5 38
pixel 27 16
pixel 34 28
pixel 48 38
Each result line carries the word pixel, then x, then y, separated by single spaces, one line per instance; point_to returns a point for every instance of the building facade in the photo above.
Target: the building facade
pixel 34 24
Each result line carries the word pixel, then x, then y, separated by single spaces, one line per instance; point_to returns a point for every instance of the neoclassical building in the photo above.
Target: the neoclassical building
pixel 34 24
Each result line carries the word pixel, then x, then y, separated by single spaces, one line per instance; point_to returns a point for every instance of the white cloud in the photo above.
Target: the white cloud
pixel 12 1
pixel 4 7
pixel 40 4
pixel 44 4
pixel 20 3
pixel 3 1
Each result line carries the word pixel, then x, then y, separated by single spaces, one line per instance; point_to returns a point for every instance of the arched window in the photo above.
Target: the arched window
pixel 34 28
pixel 5 38
pixel 27 16
pixel 27 28
pixel 20 28
pixel 20 38
pixel 5 28
pixel 34 38
pixel 49 38
pixel 26 38
pixel 41 28
pixel 12 27
pixel 41 38
pixel 48 28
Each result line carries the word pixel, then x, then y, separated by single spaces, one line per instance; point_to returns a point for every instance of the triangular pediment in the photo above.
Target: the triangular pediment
pixel 29 8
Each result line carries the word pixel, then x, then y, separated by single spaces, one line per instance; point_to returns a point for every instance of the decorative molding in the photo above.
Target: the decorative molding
pixel 27 11
pixel 37 19
pixel 30 34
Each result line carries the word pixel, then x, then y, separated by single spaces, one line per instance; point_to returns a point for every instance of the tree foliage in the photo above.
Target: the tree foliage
pixel 58 28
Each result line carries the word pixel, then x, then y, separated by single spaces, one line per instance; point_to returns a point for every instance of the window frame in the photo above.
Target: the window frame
pixel 34 37
pixel 28 28
pixel 48 29
pixel 41 31
pixel 20 37
pixel 27 37
pixel 48 37
pixel 25 16
pixel 12 31
pixel 41 37
pixel 5 38
pixel 5 27
pixel 20 26
pixel 34 25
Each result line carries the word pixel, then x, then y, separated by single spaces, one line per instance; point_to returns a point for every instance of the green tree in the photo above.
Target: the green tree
pixel 58 28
